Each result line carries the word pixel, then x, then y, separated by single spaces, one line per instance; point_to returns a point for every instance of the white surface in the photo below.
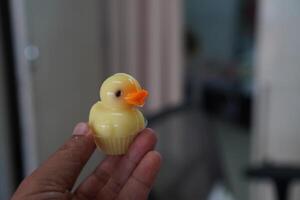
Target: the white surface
pixel 68 71
pixel 114 30
pixel 24 84
pixel 173 64
pixel 154 49
pixel 284 126
pixel 278 84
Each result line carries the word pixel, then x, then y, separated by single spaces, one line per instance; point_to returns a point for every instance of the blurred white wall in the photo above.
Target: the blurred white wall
pixel 57 88
pixel 277 109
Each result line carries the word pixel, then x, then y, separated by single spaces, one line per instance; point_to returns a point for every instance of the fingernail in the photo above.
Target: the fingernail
pixel 150 130
pixel 81 129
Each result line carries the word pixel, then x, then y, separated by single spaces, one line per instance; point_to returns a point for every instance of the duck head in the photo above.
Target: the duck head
pixel 122 90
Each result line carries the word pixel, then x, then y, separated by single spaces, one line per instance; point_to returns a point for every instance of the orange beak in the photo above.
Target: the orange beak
pixel 136 98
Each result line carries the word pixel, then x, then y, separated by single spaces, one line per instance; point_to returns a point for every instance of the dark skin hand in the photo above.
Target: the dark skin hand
pixel 130 176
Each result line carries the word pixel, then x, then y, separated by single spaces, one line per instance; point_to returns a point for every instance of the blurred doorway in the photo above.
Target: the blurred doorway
pixel 220 44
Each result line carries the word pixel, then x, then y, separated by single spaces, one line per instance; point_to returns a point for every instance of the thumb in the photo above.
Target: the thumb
pixel 63 167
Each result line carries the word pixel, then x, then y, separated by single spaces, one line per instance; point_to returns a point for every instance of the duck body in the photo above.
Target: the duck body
pixel 115 123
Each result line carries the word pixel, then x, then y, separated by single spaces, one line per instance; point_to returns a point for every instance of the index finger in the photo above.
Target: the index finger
pixel 61 170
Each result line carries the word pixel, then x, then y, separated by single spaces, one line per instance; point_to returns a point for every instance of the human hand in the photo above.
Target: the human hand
pixel 130 176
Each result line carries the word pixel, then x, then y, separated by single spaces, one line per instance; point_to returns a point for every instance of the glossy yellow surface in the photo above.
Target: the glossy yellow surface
pixel 115 119
pixel 119 122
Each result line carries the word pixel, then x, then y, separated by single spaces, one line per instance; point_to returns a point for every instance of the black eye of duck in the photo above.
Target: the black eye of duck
pixel 118 93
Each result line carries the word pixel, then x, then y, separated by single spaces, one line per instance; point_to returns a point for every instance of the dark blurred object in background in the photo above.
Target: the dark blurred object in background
pixel 10 145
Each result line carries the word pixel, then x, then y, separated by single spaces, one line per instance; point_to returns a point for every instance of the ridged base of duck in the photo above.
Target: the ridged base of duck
pixel 114 146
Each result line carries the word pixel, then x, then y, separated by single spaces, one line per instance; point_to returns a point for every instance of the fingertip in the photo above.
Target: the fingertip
pixel 157 155
pixel 142 144
pixel 153 158
pixel 81 128
pixel 149 134
pixel 149 130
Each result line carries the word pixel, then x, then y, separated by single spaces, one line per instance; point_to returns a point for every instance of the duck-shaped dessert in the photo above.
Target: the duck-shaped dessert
pixel 115 120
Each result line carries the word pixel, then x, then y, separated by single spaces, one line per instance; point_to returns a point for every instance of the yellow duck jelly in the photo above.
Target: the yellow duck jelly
pixel 115 120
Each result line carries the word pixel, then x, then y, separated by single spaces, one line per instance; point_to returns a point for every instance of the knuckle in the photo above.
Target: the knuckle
pixel 101 176
pixel 142 183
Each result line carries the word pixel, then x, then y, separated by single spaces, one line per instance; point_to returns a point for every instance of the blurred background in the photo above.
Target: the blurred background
pixel 223 77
